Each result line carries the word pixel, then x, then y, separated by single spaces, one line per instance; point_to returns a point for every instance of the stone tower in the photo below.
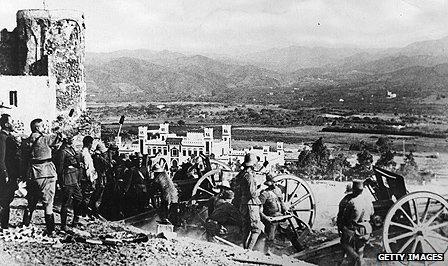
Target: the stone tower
pixel 52 43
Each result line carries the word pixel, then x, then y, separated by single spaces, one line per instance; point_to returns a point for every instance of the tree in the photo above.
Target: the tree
pixel 409 168
pixel 338 167
pixel 363 167
pixel 181 123
pixel 386 159
pixel 315 162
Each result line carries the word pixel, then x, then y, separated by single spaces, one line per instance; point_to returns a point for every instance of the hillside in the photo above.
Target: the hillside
pixel 294 77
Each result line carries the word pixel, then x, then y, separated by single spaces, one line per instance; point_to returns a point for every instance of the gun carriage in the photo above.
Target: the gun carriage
pixel 414 222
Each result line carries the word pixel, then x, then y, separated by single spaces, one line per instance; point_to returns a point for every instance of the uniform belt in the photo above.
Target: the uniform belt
pixel 35 161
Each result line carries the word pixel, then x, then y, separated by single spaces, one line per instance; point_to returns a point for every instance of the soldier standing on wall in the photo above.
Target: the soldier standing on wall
pixel 42 172
pixel 353 223
pixel 246 198
pixel 9 168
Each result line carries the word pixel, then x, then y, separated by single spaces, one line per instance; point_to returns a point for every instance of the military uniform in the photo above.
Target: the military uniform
pixel 69 182
pixel 354 215
pixel 42 172
pixel 9 172
pixel 246 196
pixel 102 165
pixel 271 200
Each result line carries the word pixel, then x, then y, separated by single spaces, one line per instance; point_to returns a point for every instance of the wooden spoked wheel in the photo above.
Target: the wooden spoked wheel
pixel 298 198
pixel 208 185
pixel 417 223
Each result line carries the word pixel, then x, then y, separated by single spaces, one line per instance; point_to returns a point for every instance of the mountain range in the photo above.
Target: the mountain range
pixel 416 72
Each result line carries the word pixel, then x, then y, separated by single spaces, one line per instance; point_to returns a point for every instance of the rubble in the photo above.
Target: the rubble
pixel 109 243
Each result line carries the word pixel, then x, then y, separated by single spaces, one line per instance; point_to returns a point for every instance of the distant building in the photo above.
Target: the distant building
pixel 174 150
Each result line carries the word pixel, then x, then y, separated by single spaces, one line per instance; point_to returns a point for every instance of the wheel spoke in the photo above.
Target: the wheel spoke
pixel 437 236
pixel 414 247
pixel 417 219
pixel 294 191
pixel 201 189
pixel 425 212
pixel 407 216
pixel 393 240
pixel 302 210
pixel 301 199
pixel 433 218
pixel 410 228
pixel 403 248
pixel 429 243
pixel 438 226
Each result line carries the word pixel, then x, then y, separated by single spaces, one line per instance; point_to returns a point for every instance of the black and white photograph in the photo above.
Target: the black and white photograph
pixel 224 132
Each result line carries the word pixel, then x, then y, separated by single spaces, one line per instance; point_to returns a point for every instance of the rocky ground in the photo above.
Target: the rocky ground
pixel 27 246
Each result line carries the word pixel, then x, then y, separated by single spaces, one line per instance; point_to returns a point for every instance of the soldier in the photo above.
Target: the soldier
pixel 353 224
pixel 227 215
pixel 88 175
pixel 165 186
pixel 43 174
pixel 9 168
pixel 272 206
pixel 69 168
pixel 246 198
pixel 135 187
pixel 101 165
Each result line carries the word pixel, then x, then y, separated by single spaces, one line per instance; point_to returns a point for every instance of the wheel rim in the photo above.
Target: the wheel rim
pixel 298 198
pixel 207 186
pixel 417 223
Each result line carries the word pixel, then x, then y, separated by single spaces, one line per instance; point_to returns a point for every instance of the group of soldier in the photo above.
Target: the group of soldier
pixel 89 180
pixel 247 208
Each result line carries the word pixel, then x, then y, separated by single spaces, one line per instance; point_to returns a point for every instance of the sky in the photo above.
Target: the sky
pixel 236 26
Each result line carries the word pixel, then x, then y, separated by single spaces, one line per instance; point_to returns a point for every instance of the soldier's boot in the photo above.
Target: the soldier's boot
pixel 49 222
pixel 76 213
pixel 252 240
pixel 63 219
pixel 27 216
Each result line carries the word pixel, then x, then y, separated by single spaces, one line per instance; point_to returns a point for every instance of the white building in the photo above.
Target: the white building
pixel 175 150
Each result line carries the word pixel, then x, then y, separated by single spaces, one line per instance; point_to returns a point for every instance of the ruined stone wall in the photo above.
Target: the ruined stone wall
pixel 52 42
pixel 8 53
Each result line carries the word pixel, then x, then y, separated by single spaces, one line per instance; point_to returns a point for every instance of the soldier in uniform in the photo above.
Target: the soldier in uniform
pixel 163 184
pixel 246 199
pixel 227 215
pixel 43 174
pixel 353 223
pixel 101 165
pixel 135 188
pixel 69 167
pixel 9 168
pixel 272 206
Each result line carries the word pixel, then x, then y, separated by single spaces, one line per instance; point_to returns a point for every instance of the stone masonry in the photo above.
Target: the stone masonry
pixel 49 43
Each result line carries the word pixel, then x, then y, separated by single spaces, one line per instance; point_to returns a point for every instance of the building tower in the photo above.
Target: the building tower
pixel 52 43
pixel 281 153
pixel 208 140
pixel 164 130
pixel 227 138
pixel 142 139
